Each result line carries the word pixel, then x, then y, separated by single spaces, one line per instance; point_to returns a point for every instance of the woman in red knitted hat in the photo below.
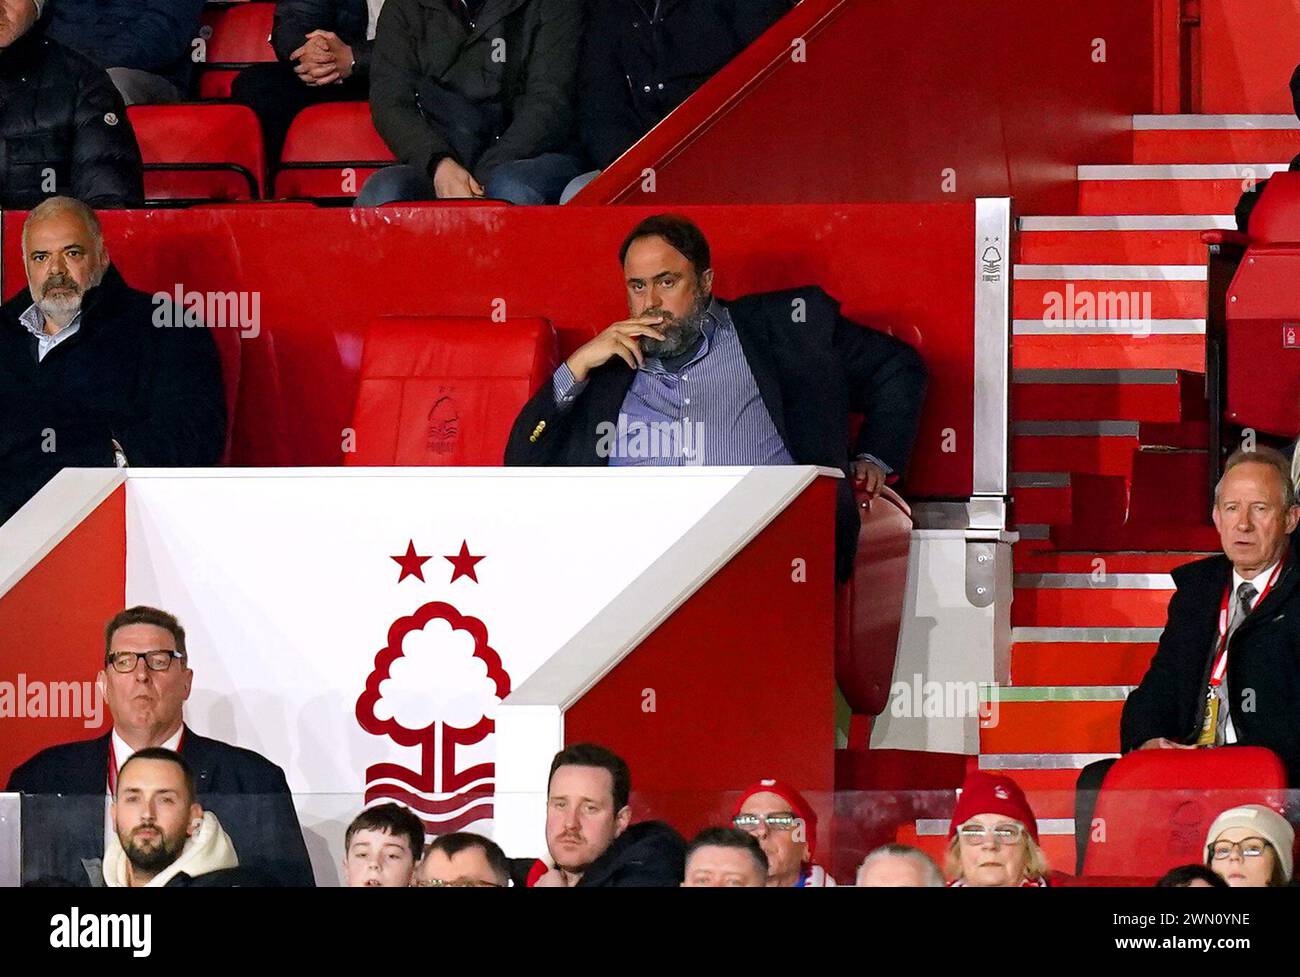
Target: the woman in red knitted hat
pixel 993 838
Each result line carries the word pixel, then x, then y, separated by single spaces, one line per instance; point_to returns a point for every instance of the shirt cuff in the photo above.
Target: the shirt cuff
pixel 566 387
pixel 875 461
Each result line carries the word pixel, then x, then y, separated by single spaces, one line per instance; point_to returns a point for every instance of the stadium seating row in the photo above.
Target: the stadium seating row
pixel 213 152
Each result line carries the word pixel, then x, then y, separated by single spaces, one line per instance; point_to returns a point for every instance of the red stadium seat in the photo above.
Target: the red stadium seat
pixel 1155 806
pixel 1254 362
pixel 196 152
pixel 869 613
pixel 234 37
pixel 445 391
pixel 329 152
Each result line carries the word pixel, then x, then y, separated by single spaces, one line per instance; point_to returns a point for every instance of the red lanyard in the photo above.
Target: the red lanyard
pixel 1221 649
pixel 112 761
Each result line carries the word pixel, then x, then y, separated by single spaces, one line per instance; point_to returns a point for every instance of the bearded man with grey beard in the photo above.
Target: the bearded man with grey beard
pixel 691 379
pixel 86 380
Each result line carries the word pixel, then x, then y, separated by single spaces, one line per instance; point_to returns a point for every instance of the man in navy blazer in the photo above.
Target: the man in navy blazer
pixel 766 379
pixel 145 680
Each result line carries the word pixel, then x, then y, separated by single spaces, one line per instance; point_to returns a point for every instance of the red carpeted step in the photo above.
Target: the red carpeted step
pixel 1098 500
pixel 1072 304
pixel 1193 435
pixel 1173 189
pixel 1112 352
pixel 1079 662
pixel 1097 447
pixel 1214 138
pixel 1054 726
pixel 1041 504
pixel 1178 247
pixel 1170 488
pixel 1187 539
pixel 1055 561
pixel 1088 607
pixel 1166 396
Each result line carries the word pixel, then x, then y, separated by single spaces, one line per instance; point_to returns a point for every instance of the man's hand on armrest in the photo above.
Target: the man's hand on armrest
pixel 869 474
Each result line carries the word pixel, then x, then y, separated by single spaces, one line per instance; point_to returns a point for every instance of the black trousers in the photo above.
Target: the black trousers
pixel 275 93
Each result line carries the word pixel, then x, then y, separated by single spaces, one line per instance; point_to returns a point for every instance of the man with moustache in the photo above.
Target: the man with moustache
pixel 589 831
pixel 688 378
pixel 86 378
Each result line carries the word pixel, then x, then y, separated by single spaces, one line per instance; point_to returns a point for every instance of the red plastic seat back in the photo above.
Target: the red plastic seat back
pixel 1155 806
pixel 869 611
pixel 199 152
pixel 1276 218
pixel 445 391
pixel 1263 316
pixel 233 38
pixel 330 151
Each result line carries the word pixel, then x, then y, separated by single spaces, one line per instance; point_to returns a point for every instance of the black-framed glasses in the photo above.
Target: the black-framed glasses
pixel 1248 847
pixel 456 884
pixel 973 833
pixel 156 661
pixel 774 822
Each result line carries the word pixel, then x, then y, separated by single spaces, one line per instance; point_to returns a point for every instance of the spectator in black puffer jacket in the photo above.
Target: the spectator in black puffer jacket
pixel 145 45
pixel 323 47
pixel 63 127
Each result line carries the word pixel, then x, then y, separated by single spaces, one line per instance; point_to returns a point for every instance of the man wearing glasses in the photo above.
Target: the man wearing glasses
pixel 785 826
pixel 145 680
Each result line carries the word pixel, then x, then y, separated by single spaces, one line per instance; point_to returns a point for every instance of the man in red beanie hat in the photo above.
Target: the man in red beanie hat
pixel 785 826
pixel 993 838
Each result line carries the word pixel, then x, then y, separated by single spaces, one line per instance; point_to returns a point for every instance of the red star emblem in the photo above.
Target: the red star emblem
pixel 463 563
pixel 411 564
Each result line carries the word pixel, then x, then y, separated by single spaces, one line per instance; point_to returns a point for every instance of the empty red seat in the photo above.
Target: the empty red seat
pixel 330 151
pixel 233 37
pixel 1259 367
pixel 198 152
pixel 1155 806
pixel 445 391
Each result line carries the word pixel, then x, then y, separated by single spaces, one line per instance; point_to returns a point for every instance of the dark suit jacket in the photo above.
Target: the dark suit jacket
pixel 247 792
pixel 1263 666
pixel 349 19
pixel 811 376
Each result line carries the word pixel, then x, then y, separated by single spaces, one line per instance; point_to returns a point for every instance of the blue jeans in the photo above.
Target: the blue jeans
pixel 535 181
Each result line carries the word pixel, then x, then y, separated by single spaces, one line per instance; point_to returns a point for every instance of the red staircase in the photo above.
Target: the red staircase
pixel 1109 427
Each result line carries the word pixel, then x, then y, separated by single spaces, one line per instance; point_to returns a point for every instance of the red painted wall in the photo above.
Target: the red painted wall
pixel 893 92
pixel 743 681
pixel 1248 51
pixel 323 274
pixel 52 626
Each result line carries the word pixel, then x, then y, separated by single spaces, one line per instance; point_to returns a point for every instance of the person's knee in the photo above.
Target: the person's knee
pixel 577 185
pixel 258 84
pixel 510 182
pixel 394 184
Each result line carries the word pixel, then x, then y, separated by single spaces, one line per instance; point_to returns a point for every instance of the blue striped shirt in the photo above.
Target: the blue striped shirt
pixel 709 412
